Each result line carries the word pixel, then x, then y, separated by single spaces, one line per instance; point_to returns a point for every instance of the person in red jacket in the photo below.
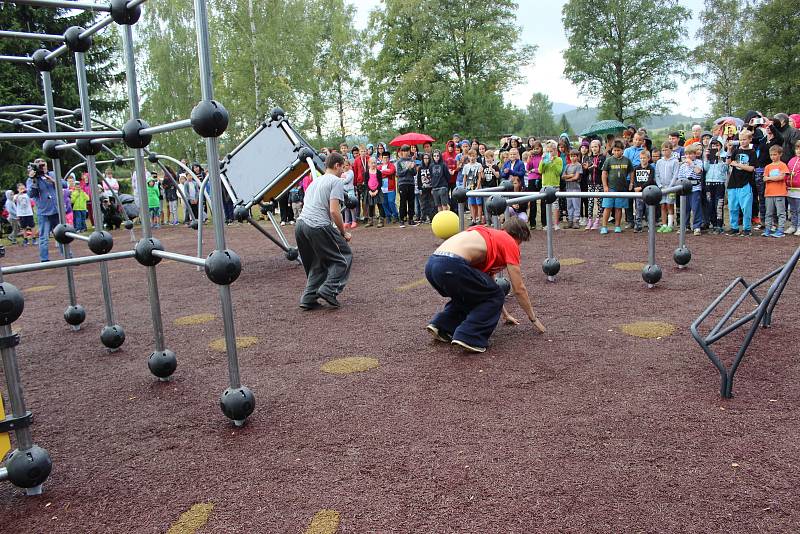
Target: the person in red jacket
pixel 360 170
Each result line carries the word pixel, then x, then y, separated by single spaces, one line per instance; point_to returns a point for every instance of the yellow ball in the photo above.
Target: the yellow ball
pixel 445 224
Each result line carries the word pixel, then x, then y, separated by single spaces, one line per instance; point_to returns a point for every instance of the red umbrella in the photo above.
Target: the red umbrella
pixel 411 138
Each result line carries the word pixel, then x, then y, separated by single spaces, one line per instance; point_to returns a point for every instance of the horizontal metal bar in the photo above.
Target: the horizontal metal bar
pixel 68 4
pixel 530 198
pixel 18 136
pixel 672 189
pixel 104 140
pixel 588 194
pixel 183 258
pixel 488 193
pixel 79 237
pixel 58 52
pixel 169 127
pixel 134 3
pixel 35 36
pixel 66 146
pixel 16 59
pixel 72 262
pixel 96 27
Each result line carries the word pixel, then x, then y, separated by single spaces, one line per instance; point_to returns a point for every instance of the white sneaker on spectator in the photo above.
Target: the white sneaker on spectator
pixel 791 230
pixel 797 232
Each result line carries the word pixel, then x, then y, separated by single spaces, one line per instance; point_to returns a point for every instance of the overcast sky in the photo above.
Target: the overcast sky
pixel 541 25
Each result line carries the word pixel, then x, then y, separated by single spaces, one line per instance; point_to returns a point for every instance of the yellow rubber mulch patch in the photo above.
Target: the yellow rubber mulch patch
pixel 192 520
pixel 343 366
pixel 36 289
pixel 242 342
pixel 649 329
pixel 412 285
pixel 629 266
pixel 324 522
pixel 200 318
pixel 571 261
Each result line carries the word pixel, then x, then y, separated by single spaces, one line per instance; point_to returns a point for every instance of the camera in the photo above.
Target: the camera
pixel 37 169
pixel 758 121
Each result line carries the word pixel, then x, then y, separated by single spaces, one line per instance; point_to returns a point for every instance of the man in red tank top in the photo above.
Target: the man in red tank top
pixel 461 269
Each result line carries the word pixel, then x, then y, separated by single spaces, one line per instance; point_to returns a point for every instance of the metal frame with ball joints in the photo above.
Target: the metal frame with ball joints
pixel 29 465
pixel 498 198
pixel 761 316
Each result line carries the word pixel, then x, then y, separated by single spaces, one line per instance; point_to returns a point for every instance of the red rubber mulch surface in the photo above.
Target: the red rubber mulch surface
pixel 581 429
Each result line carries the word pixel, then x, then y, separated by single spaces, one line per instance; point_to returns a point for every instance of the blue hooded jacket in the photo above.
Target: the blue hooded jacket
pixel 44 191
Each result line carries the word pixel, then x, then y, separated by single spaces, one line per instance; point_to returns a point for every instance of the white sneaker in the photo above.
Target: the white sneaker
pixel 696 231
pixel 797 232
pixel 791 230
pixel 283 223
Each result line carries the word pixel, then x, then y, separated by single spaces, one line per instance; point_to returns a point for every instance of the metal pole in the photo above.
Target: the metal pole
pixel 83 93
pixel 62 216
pixel 682 231
pixel 169 127
pixel 278 230
pixel 460 217
pixel 200 216
pixel 16 59
pixel 549 233
pixel 183 258
pixel 45 136
pixel 133 98
pixel 651 235
pixel 212 151
pixel 34 36
pixel 71 262
pixel 496 221
pixel 68 4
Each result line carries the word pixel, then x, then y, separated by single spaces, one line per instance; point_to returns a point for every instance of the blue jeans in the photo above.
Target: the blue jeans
pixel 390 205
pixel 46 225
pixel 476 301
pixel 695 209
pixel 80 220
pixel 740 200
pixel 794 209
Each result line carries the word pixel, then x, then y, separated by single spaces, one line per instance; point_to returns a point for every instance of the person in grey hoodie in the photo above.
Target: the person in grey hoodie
pixel 406 176
pixel 440 180
pixel 13 220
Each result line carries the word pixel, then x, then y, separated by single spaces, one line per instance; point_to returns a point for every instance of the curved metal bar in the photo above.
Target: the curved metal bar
pixel 33 36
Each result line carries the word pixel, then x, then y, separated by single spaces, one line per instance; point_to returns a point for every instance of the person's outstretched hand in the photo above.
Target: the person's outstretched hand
pixel 538 326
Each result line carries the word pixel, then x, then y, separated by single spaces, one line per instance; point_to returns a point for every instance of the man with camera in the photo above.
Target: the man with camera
pixel 42 187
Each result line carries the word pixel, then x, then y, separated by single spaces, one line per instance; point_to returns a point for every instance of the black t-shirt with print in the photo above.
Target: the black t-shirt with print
pixel 489 179
pixel 644 177
pixel 739 177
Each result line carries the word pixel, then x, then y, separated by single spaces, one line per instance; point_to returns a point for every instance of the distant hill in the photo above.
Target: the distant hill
pixel 581 118
pixel 559 108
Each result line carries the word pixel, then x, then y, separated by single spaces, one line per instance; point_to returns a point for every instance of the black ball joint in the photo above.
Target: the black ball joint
pixel 240 213
pixel 507 185
pixel 277 114
pixel 74 315
pixel 101 242
pixel 459 195
pixel 162 363
pixel 131 133
pixel 49 148
pixel 143 251
pixel 29 468
pixel 41 62
pixel 682 255
pixel 292 254
pixel 128 224
pixel 86 147
pixel 651 274
pixel 551 266
pixel 123 15
pixel 74 41
pixel 497 205
pixel 223 267
pixel 60 233
pixel 112 336
pixel 651 195
pixel 119 161
pixel 152 157
pixel 237 403
pixel 504 284
pixel 209 118
pixel 11 303
pixel 305 153
pixel 549 194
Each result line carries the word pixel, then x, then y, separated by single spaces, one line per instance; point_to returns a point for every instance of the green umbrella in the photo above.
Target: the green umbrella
pixel 602 128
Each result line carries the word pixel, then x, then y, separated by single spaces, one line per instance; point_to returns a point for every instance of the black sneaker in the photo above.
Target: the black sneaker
pixel 439 335
pixel 637 229
pixel 732 231
pixel 308 306
pixel 467 347
pixel 747 233
pixel 330 299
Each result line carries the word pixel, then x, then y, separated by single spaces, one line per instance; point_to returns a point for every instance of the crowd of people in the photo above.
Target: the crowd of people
pixel 752 168
pixel 749 168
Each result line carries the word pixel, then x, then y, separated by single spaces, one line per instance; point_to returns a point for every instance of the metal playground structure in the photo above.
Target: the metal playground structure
pixel 29 465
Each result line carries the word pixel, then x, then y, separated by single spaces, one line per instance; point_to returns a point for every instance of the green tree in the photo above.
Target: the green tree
pixel 539 116
pixel 717 54
pixel 442 70
pixel 564 127
pixel 21 84
pixel 769 60
pixel 624 53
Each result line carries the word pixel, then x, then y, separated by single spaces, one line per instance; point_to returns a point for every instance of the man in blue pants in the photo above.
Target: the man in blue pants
pixel 42 188
pixel 462 268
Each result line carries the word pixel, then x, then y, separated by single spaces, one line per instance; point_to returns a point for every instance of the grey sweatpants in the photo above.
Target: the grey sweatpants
pixel 775 204
pixel 326 258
